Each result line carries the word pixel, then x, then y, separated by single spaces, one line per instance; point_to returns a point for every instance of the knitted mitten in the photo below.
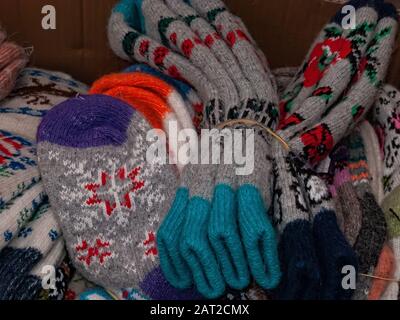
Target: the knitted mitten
pixel 35 92
pixel 109 199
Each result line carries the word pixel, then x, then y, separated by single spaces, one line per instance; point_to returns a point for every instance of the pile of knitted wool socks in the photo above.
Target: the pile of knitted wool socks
pixel 217 231
pixel 30 234
pixel 344 173
pixel 13 59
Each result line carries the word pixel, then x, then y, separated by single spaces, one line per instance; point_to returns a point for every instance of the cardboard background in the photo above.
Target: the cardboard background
pixel 284 29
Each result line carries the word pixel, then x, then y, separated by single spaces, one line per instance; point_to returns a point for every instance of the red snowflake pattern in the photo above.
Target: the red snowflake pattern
pixel 105 180
pixel 99 250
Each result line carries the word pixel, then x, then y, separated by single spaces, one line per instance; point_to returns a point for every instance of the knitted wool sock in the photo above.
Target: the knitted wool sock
pixel 186 91
pixel 372 235
pixel 165 26
pixel 35 92
pixel 374 159
pixel 384 269
pixel 216 44
pixel 316 143
pixel 346 195
pixel 385 115
pixel 125 88
pixel 18 167
pixel 128 43
pixel 33 243
pixel 301 277
pixel 333 251
pixel 111 184
pixel 350 204
pixel 31 285
pixel 227 26
pixel 329 67
pixel 18 212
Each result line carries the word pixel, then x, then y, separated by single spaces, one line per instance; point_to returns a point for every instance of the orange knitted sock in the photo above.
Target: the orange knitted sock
pixel 384 269
pixel 160 98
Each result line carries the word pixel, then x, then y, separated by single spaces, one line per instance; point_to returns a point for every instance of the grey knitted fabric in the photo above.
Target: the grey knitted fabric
pixel 109 199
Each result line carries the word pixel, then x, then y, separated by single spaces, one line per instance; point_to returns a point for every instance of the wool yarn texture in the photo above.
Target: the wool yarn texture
pixel 35 93
pixel 161 105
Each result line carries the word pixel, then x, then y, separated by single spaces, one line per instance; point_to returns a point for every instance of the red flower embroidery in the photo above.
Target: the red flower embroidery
pixel 144 47
pixel 159 55
pixel 318 143
pixel 293 120
pixel 119 187
pixel 187 47
pixel 322 56
pixel 97 250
